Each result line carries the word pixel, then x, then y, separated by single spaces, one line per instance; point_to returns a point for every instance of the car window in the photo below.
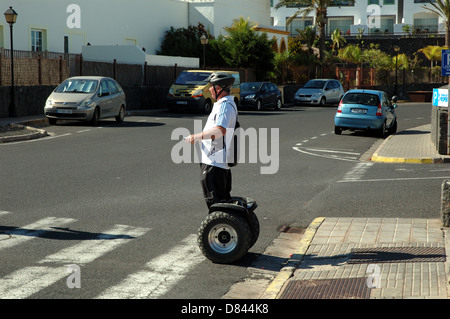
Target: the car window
pixel 104 88
pixel 315 84
pixel 274 87
pixel 361 98
pixel 385 101
pixel 77 86
pixel 336 84
pixel 112 87
pixel 329 85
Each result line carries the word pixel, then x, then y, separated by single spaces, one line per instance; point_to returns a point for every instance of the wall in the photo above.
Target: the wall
pixel 102 22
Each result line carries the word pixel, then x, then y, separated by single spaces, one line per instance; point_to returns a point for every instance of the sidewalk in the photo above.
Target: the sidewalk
pixel 373 258
pixel 367 258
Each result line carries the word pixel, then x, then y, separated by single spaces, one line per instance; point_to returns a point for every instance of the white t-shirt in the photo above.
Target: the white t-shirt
pixel 224 113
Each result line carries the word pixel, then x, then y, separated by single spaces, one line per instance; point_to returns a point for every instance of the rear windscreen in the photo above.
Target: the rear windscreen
pixel 361 98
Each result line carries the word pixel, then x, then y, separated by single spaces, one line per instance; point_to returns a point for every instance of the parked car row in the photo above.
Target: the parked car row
pixel 90 98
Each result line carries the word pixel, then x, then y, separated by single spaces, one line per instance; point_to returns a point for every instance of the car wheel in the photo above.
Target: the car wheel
pixel 323 101
pixel 121 116
pixel 95 117
pixel 278 105
pixel 259 105
pixel 393 128
pixel 382 131
pixel 337 130
pixel 208 107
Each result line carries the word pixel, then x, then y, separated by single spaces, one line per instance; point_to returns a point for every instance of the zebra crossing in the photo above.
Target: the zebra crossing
pixel 156 277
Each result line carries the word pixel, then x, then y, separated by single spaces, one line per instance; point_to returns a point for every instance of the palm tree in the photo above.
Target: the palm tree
pixel 306 7
pixel 352 54
pixel 338 39
pixel 442 9
pixel 308 35
pixel 432 53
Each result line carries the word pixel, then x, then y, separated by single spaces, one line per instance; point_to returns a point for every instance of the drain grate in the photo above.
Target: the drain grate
pixel 346 288
pixel 397 255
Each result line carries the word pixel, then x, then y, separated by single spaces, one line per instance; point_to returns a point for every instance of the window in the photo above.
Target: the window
pixel 373 2
pixel 37 40
pixel 300 24
pixel 388 1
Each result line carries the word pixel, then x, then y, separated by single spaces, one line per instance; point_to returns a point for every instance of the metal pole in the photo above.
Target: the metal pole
pixel 12 104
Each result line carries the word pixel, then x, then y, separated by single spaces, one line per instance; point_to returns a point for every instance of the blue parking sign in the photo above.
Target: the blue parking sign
pixel 445 63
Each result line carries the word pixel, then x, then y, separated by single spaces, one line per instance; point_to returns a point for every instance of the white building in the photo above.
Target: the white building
pixel 67 25
pixel 382 17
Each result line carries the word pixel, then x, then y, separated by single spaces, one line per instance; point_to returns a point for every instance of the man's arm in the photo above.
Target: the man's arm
pixel 211 134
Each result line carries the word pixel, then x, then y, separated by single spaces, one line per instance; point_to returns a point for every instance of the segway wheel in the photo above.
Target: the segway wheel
pixel 224 237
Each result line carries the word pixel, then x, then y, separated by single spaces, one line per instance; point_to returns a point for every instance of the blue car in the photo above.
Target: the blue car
pixel 366 110
pixel 260 95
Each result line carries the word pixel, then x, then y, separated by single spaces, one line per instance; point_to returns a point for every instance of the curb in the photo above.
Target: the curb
pixel 34 134
pixel 291 265
pixel 384 159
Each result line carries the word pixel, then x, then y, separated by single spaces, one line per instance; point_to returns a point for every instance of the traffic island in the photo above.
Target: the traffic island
pixel 17 132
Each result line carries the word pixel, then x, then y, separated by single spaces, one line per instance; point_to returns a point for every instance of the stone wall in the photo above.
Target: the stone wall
pixel 439 126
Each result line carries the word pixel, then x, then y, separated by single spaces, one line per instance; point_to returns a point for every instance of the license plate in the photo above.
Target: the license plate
pixel 359 111
pixel 64 111
pixel 181 102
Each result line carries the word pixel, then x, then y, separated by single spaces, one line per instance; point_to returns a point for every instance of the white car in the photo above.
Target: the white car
pixel 86 98
pixel 320 92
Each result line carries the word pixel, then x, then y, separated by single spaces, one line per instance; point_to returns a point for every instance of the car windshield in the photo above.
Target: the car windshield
pixel 250 87
pixel 192 78
pixel 77 86
pixel 361 98
pixel 315 84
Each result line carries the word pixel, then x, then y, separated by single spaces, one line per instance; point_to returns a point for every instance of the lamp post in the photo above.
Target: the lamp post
pixel 396 49
pixel 11 17
pixel 204 41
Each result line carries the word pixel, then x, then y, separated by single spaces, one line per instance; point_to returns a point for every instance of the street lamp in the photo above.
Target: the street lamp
pixel 396 49
pixel 11 16
pixel 204 41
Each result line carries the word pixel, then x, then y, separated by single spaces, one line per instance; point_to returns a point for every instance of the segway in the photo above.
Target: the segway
pixel 229 231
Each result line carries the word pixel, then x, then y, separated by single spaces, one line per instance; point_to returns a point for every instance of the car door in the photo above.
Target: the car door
pixel 104 101
pixel 265 94
pixel 388 109
pixel 330 92
pixel 115 97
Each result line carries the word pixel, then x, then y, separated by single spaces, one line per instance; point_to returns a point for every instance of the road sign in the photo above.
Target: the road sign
pixel 445 63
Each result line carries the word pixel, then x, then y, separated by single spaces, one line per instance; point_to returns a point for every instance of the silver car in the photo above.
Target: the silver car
pixel 320 92
pixel 86 98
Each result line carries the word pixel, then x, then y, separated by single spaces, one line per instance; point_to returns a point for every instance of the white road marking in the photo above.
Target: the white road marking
pixel 89 250
pixel 20 235
pixel 4 212
pixel 357 172
pixel 27 281
pixel 394 179
pixel 341 158
pixel 160 274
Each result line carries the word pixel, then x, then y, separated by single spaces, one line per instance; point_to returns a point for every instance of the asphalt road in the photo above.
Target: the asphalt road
pixel 121 209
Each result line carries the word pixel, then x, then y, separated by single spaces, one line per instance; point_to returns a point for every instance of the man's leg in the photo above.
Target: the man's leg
pixel 216 184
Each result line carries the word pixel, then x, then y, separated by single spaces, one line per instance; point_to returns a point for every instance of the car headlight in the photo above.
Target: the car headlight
pixel 250 97
pixel 316 95
pixel 49 102
pixel 197 93
pixel 170 92
pixel 86 102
